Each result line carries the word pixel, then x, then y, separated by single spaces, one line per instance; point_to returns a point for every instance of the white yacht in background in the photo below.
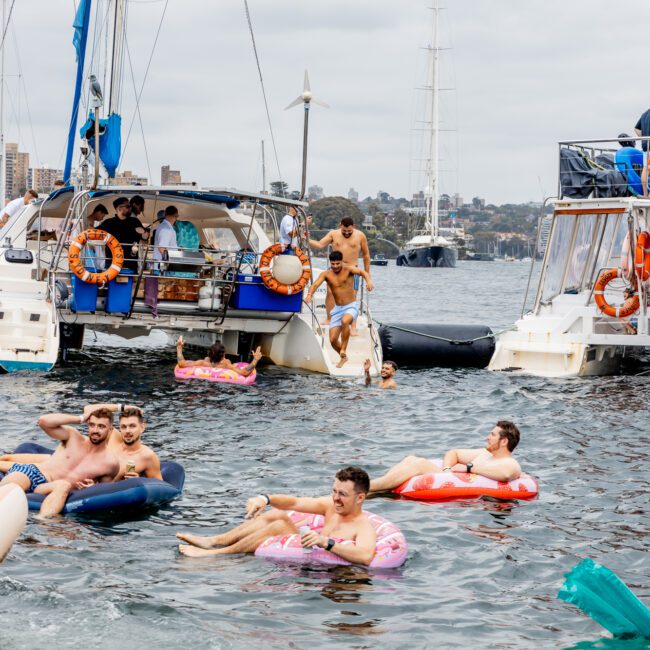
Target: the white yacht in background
pixel 428 247
pixel 580 324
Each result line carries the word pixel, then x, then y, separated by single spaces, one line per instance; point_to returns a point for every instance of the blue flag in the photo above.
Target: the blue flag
pixel 78 26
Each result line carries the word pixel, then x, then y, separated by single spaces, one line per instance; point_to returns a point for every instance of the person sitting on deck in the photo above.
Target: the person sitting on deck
pixel 344 520
pixel 494 461
pixel 340 279
pixel 216 359
pixel 388 370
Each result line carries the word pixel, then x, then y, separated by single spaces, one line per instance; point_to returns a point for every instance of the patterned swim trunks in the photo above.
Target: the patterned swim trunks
pixel 31 472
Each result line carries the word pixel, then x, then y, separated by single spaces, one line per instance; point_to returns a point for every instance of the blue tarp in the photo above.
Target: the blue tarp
pixel 110 140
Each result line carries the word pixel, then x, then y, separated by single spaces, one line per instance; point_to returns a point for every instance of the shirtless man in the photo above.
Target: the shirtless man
pixel 216 359
pixel 76 460
pixel 353 244
pixel 388 370
pixel 340 279
pixel 344 520
pixel 494 461
pixel 125 443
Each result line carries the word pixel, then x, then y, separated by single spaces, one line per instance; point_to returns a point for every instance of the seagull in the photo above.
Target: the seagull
pixel 95 88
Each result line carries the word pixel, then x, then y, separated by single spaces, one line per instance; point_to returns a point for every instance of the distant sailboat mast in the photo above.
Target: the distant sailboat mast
pixel 3 162
pixel 432 194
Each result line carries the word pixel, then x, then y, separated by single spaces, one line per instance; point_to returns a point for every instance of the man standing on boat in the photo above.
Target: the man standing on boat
pixel 494 461
pixel 353 244
pixel 128 230
pixel 290 229
pixel 340 280
pixel 17 204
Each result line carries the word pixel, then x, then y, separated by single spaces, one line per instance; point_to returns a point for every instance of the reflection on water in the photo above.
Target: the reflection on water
pixel 482 573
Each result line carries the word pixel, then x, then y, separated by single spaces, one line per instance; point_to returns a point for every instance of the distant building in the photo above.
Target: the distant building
pixel 16 170
pixel 457 201
pixel 42 178
pixel 127 177
pixel 315 193
pixel 353 195
pixel 170 176
pixel 367 220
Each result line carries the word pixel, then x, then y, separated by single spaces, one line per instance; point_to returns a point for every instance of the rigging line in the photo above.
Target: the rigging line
pixel 21 79
pixel 137 106
pixel 266 103
pixel 144 80
pixel 4 33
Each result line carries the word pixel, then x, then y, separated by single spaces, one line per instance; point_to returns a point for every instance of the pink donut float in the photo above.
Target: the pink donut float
pixel 455 485
pixel 223 375
pixel 391 552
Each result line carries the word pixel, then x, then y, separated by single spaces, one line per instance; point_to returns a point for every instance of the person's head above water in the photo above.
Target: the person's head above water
pixel 351 486
pixel 505 435
pixel 216 352
pixel 388 369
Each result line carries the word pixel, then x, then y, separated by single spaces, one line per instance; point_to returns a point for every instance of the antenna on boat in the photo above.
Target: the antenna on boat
pixel 96 103
pixel 306 98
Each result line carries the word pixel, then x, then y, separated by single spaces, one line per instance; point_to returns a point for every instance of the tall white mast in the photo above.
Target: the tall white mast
pixel 3 164
pixel 263 170
pixel 117 59
pixel 432 199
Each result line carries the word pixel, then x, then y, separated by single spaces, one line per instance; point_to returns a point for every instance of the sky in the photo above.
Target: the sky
pixel 524 76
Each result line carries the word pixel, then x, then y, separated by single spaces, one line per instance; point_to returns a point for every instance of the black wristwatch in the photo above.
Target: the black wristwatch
pixel 469 467
pixel 330 544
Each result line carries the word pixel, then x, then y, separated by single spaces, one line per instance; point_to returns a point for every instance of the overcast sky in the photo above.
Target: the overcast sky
pixel 526 74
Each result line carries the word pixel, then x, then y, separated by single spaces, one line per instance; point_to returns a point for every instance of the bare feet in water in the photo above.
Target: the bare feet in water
pixel 193 551
pixel 196 540
pixel 344 358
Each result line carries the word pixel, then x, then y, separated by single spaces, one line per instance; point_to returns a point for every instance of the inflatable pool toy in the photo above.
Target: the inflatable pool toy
pixel 123 496
pixel 391 552
pixel 601 594
pixel 454 485
pixel 223 375
pixel 13 516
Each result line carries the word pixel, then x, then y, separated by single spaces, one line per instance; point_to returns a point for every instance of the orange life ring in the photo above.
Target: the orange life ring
pixel 76 265
pixel 642 256
pixel 270 281
pixel 626 309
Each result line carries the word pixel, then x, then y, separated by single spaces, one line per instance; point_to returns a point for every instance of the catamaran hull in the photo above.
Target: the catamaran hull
pixel 428 256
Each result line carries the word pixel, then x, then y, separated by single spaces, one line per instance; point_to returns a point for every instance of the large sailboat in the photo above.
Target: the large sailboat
pixel 428 247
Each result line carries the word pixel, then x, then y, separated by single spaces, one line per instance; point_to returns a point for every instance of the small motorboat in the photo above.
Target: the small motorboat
pixel 13 516
pixel 379 260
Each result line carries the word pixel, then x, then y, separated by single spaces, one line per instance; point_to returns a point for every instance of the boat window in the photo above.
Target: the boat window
pixel 224 239
pixel 612 233
pixel 557 255
pixel 615 256
pixel 580 252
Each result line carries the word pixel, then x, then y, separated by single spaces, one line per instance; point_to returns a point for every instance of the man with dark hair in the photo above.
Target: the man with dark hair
pixel 137 206
pixel 17 205
pixel 216 359
pixel 342 510
pixel 494 461
pixel 340 279
pixel 128 230
pixel 352 244
pixel 388 370
pixel 78 459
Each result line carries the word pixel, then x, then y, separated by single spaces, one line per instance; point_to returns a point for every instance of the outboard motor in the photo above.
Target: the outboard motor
pixel 437 346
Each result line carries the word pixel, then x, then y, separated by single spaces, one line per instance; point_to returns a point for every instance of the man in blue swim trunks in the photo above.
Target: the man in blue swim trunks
pixel 340 279
pixel 77 460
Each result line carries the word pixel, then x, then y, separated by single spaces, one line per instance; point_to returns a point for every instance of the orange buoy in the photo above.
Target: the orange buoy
pixel 624 310
pixel 272 283
pixel 76 265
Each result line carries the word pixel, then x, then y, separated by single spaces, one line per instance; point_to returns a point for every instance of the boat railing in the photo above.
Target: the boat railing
pixel 364 310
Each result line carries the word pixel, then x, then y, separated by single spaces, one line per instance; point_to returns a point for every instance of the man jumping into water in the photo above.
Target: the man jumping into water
pixel 494 461
pixel 340 279
pixel 77 460
pixel 344 520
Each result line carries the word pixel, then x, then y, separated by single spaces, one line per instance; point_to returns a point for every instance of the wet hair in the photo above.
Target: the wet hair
pixel 132 412
pixel 100 207
pixel 392 364
pixel 120 200
pixel 510 432
pixel 105 414
pixel 336 256
pixel 137 200
pixel 357 475
pixel 171 211
pixel 347 222
pixel 216 352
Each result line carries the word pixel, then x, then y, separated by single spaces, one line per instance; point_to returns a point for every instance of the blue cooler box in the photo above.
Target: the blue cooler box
pixel 84 295
pixel 118 295
pixel 252 294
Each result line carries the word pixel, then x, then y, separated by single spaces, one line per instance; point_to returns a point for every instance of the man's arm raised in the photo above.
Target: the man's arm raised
pixel 326 241
pixel 314 506
pixel 55 425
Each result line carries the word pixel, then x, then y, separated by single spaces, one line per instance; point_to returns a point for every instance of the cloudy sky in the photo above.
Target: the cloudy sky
pixel 526 74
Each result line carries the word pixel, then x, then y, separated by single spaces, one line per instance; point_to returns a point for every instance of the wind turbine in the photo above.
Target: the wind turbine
pixel 306 98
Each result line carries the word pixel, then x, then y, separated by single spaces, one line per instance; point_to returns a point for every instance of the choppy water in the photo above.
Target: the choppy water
pixel 479 574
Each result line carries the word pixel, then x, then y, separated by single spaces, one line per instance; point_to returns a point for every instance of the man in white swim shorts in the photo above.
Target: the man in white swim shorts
pixel 340 279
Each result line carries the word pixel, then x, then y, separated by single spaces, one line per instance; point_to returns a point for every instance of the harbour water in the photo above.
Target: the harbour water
pixel 480 573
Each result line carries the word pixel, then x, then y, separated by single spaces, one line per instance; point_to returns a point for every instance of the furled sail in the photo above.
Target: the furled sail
pixel 110 140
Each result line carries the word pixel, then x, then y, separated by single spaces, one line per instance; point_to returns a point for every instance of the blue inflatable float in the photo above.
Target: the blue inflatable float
pixel 124 497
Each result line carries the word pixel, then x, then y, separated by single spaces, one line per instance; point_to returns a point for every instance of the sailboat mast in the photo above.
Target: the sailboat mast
pixel 263 170
pixel 3 163
pixel 432 211
pixel 117 59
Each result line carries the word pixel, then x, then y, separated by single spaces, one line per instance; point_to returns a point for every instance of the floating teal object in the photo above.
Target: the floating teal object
pixel 601 594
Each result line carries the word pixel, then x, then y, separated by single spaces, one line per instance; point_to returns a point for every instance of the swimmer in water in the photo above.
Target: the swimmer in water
pixel 216 359
pixel 388 370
